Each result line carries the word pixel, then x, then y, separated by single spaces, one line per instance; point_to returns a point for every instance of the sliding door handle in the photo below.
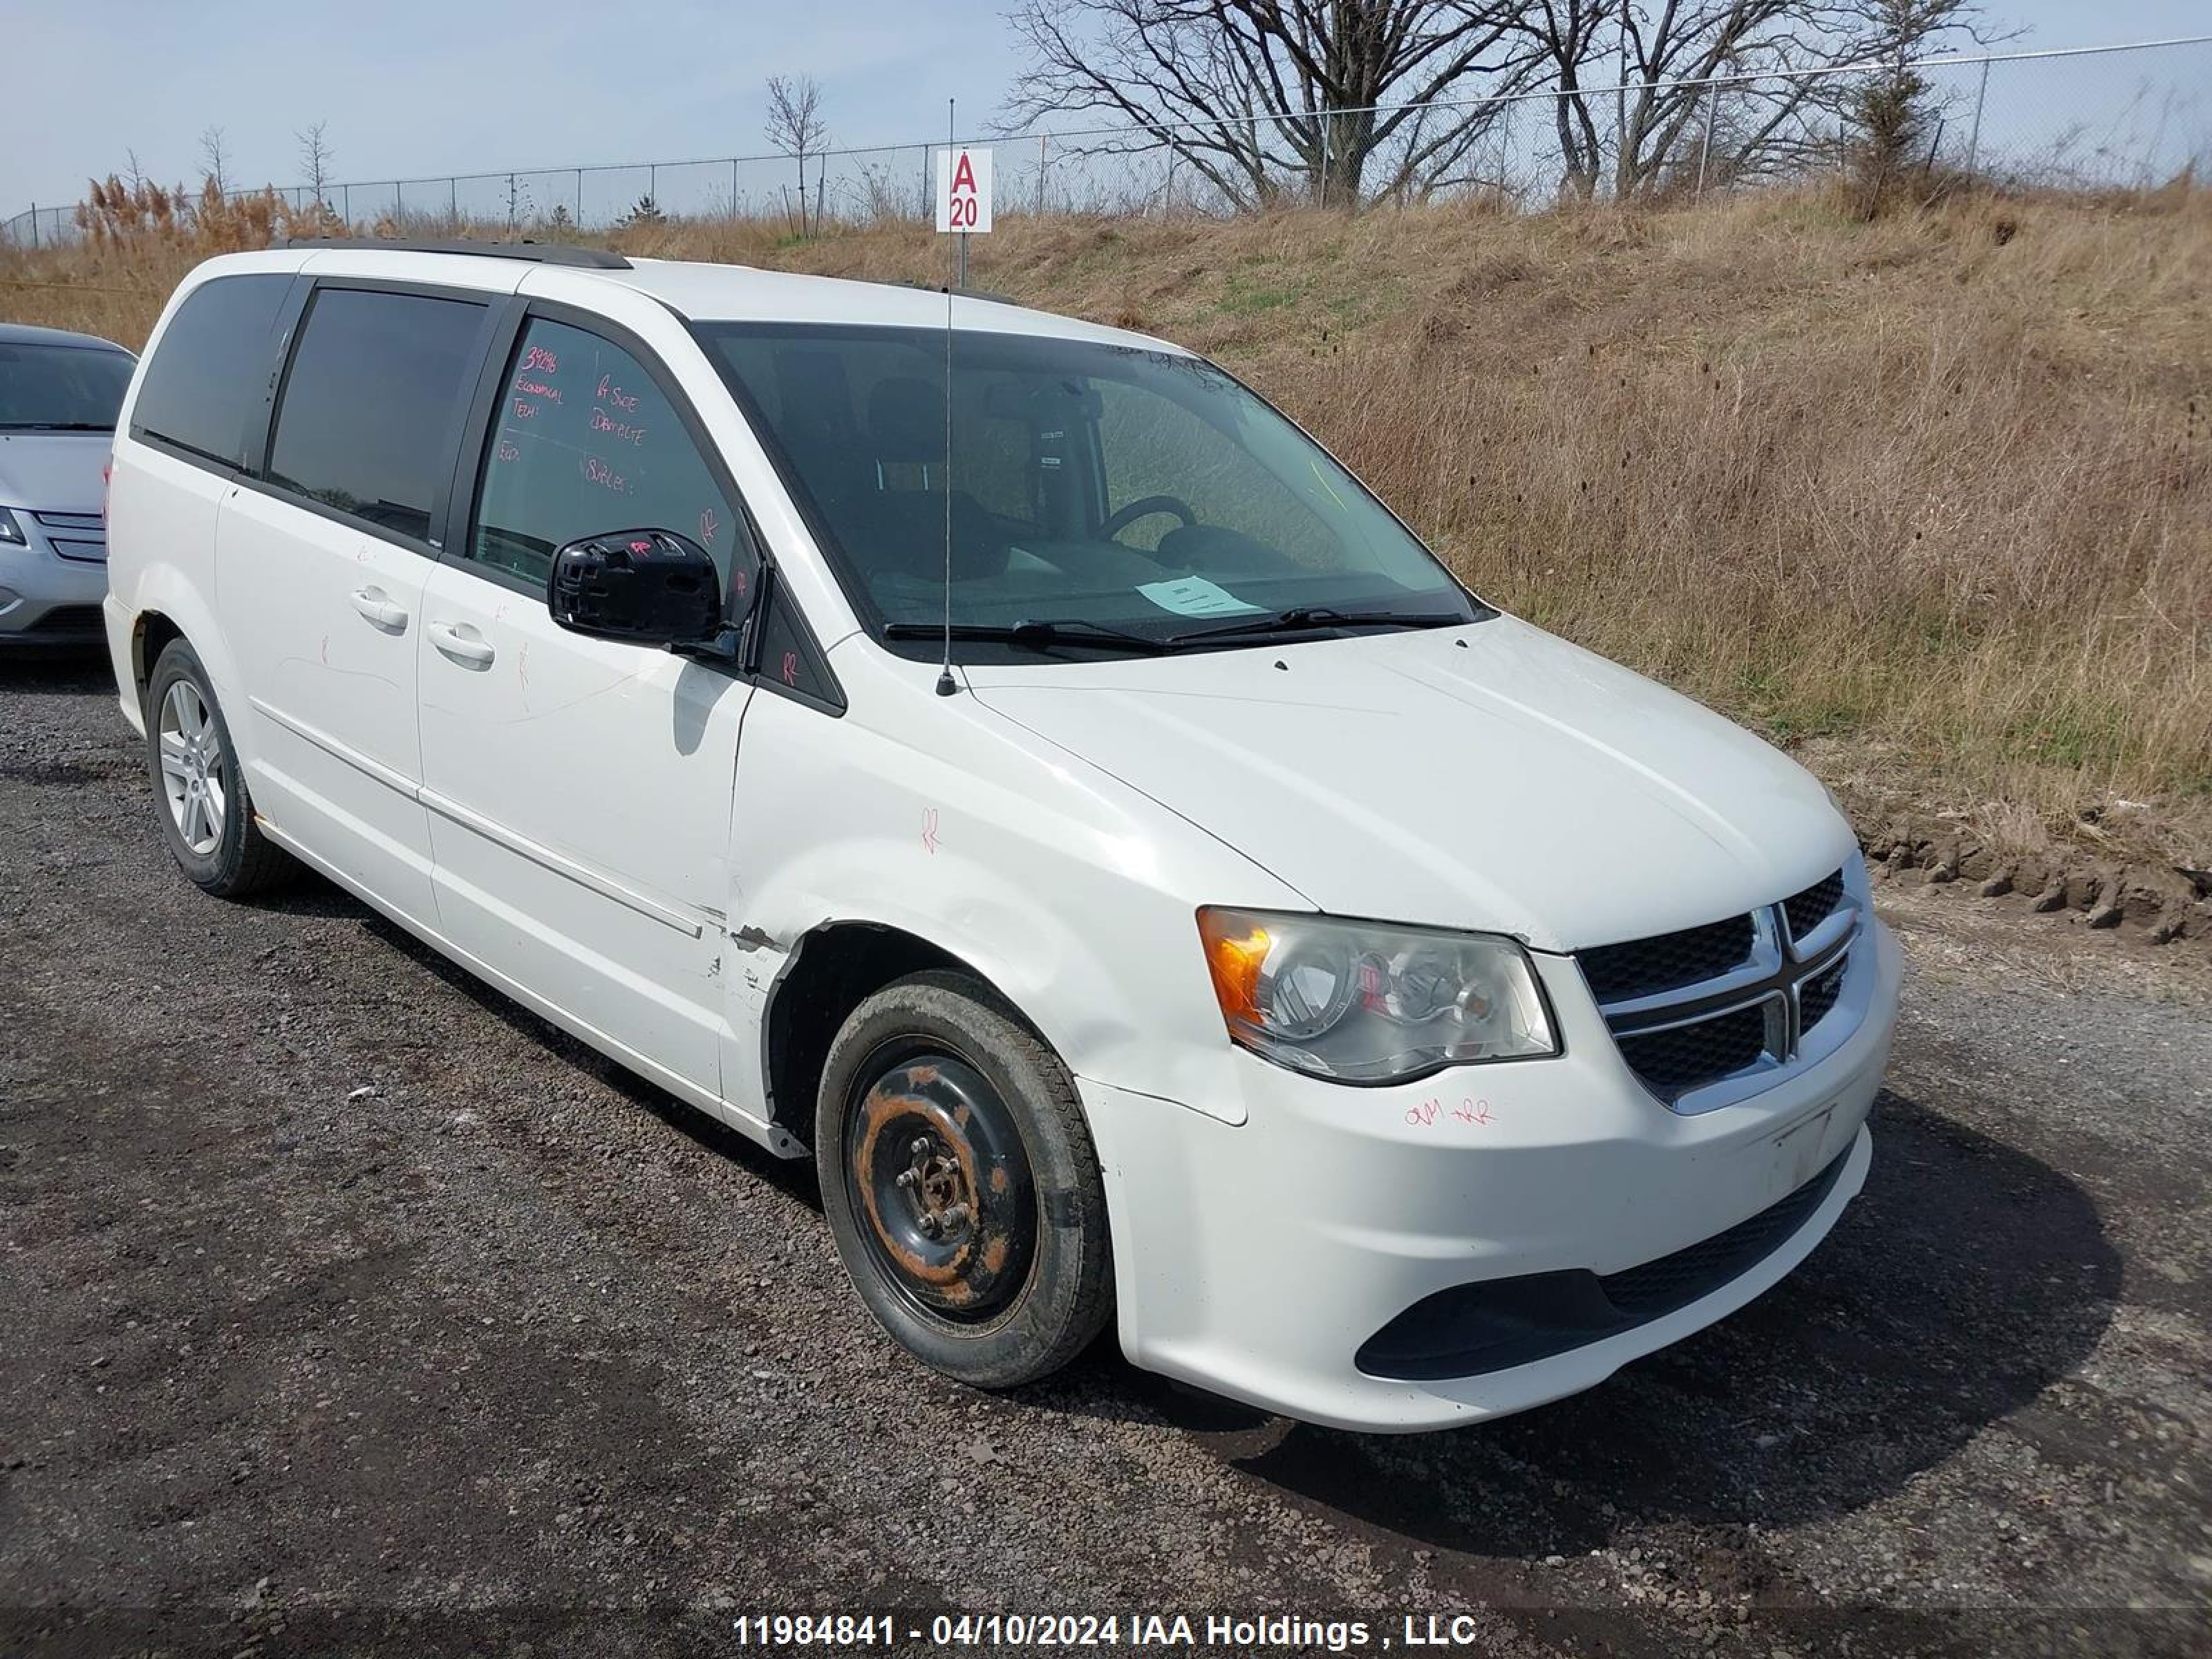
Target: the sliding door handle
pixel 375 605
pixel 462 643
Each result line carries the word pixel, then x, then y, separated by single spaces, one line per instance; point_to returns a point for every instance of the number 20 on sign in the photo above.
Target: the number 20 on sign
pixel 963 189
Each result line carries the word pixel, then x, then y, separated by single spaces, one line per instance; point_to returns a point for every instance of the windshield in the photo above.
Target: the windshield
pixel 1090 484
pixel 70 388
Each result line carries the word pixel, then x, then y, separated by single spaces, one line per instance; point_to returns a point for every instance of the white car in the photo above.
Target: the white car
pixel 1085 821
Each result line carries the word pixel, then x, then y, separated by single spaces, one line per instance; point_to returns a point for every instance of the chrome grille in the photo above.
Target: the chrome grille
pixel 91 521
pixel 1808 909
pixel 1683 1056
pixel 1708 1015
pixel 1645 965
pixel 79 536
pixel 1818 996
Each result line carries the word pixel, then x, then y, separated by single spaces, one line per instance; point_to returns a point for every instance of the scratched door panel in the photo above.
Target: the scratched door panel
pixel 322 618
pixel 579 797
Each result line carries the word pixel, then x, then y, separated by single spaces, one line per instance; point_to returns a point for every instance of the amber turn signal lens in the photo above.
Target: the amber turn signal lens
pixel 1235 951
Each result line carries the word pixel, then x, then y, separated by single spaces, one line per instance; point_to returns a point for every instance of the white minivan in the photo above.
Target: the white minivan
pixel 1005 761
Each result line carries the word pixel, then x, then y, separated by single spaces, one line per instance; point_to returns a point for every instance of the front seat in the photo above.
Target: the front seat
pixel 905 515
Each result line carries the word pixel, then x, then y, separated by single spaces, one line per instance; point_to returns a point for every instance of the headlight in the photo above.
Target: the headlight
pixel 1364 1003
pixel 10 531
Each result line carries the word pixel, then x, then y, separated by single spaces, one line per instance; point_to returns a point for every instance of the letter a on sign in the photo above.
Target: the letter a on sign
pixel 963 189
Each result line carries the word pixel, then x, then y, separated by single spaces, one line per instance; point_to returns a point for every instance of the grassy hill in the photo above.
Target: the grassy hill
pixel 1929 499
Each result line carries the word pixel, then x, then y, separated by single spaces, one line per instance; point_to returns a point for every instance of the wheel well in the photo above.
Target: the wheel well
pixel 149 639
pixel 833 969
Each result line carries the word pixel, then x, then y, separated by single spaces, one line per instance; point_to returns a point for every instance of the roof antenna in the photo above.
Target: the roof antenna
pixel 945 684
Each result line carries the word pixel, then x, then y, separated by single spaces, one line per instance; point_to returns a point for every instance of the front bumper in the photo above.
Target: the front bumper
pixel 1256 1260
pixel 47 598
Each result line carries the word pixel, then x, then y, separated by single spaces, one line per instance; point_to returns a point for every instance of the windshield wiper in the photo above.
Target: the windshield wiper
pixel 57 426
pixel 1072 630
pixel 1305 618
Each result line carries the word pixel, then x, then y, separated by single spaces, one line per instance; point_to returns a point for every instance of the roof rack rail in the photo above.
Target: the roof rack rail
pixel 544 253
pixel 921 287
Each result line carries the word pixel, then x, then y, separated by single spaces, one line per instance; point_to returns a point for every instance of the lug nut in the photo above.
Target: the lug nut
pixel 921 1147
pixel 930 1226
pixel 906 1177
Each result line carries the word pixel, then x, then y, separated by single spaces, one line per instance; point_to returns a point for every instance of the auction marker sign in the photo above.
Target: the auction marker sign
pixel 963 189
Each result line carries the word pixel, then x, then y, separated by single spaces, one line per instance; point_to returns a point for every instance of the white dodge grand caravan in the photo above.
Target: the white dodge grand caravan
pixel 1011 764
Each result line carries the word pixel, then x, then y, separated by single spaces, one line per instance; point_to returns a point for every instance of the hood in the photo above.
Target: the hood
pixel 1488 777
pixel 53 471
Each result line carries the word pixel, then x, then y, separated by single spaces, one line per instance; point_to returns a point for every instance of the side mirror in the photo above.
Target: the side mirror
pixel 644 586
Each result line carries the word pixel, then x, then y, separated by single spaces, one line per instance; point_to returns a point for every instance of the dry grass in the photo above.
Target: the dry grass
pixel 1931 496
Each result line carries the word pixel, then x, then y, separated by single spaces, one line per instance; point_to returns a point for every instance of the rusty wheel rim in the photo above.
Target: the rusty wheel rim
pixel 940 1183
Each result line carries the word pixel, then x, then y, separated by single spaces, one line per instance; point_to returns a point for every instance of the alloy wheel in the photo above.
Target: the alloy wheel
pixel 195 771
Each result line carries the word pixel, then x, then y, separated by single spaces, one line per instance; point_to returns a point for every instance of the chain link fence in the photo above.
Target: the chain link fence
pixel 2118 117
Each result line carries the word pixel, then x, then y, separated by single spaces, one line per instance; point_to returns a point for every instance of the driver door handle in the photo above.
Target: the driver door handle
pixel 376 605
pixel 462 643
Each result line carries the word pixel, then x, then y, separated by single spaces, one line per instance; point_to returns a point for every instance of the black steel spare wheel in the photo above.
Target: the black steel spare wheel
pixel 960 1183
pixel 935 1170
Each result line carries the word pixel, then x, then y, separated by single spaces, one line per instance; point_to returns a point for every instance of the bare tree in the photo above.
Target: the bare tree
pixel 1653 61
pixel 1566 33
pixel 1900 30
pixel 215 160
pixel 315 161
pixel 1253 95
pixel 796 127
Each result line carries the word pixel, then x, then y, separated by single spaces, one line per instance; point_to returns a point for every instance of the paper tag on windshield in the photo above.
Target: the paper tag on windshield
pixel 1194 596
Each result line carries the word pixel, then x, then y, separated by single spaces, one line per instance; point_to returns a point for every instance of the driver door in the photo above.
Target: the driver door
pixel 578 790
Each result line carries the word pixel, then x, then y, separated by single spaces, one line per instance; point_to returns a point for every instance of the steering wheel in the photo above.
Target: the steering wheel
pixel 1145 506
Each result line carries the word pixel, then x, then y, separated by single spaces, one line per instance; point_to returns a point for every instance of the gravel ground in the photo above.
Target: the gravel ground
pixel 335 1283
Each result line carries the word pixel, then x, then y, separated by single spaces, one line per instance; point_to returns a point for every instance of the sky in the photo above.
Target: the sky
pixel 416 87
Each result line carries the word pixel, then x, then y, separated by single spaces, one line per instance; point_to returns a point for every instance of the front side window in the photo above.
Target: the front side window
pixel 61 388
pixel 584 442
pixel 211 369
pixel 1088 483
pixel 369 407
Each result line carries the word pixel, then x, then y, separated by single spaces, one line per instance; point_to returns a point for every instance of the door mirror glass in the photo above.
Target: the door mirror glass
pixel 645 586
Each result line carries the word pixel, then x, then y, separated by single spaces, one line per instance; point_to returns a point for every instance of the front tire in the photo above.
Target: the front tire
pixel 206 813
pixel 960 1182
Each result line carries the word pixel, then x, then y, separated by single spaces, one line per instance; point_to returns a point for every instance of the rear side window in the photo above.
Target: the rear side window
pixel 210 367
pixel 367 420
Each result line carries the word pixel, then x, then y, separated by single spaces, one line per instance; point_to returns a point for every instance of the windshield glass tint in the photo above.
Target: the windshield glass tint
pixel 1143 490
pixel 55 385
